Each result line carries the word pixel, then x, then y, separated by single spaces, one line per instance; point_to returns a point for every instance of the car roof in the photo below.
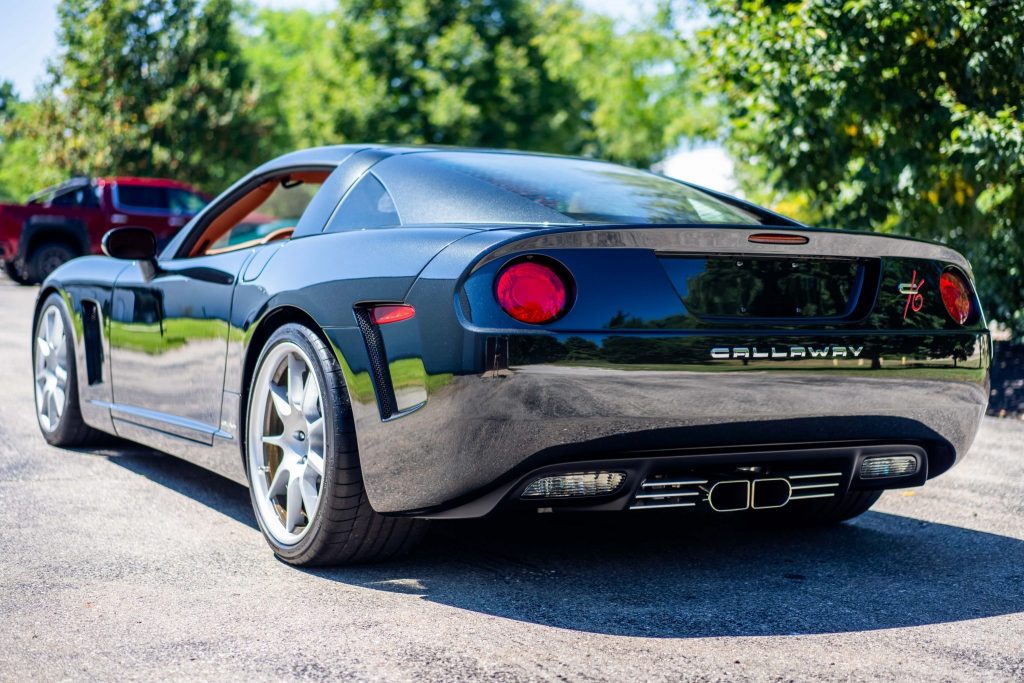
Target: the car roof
pixel 332 155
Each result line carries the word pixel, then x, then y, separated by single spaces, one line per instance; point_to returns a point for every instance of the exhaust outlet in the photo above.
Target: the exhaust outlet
pixel 730 496
pixel 770 493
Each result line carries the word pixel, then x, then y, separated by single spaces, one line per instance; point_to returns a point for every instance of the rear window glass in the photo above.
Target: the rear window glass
pixel 183 201
pixel 594 191
pixel 143 197
pixel 367 205
pixel 159 199
pixel 82 196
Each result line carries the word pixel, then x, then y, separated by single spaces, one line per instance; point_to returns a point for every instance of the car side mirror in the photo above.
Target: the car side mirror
pixel 130 244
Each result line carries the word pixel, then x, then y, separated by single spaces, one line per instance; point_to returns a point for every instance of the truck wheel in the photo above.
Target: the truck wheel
pixel 47 258
pixel 14 273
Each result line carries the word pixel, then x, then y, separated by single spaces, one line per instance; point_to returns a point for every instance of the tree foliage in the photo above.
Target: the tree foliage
pixel 150 87
pixel 899 115
pixel 20 148
pixel 200 90
pixel 498 73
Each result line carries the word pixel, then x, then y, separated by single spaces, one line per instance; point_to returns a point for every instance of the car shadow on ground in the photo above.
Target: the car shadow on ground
pixel 677 575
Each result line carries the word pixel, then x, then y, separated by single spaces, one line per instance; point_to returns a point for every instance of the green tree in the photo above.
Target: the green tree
pixel 897 115
pixel 639 85
pixel 542 75
pixel 150 87
pixel 20 148
pixel 415 71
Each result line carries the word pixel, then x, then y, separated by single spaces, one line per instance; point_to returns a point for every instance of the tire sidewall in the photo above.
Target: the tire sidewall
pixel 333 407
pixel 37 260
pixel 60 434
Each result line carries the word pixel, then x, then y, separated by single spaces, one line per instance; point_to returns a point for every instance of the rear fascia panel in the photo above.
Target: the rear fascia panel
pixel 505 397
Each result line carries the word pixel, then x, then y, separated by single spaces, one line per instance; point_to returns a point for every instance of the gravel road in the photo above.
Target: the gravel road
pixel 123 563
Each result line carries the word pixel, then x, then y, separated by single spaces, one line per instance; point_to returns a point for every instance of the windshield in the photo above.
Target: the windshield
pixel 594 191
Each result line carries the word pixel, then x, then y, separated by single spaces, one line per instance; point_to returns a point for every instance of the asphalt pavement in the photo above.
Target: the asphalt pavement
pixel 121 563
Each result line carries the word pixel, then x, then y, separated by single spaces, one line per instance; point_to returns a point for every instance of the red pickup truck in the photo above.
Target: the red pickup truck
pixel 68 220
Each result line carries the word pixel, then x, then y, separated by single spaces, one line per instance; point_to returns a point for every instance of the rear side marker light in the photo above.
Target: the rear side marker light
pixel 575 485
pixel 533 291
pixel 956 296
pixel 776 238
pixel 888 466
pixel 391 313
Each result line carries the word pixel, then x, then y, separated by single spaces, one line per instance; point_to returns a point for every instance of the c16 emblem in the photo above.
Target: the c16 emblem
pixel 912 290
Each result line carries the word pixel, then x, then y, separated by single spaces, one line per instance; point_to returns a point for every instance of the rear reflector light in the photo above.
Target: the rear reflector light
pixel 575 484
pixel 888 466
pixel 775 238
pixel 533 291
pixel 391 313
pixel 956 296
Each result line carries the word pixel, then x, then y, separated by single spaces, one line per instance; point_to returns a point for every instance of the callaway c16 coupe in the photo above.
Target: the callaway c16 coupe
pixel 371 336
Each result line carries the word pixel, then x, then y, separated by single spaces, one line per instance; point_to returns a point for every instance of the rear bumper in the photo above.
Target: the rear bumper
pixel 482 432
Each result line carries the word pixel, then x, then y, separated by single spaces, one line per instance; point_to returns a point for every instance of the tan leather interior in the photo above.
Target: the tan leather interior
pixel 276 236
pixel 234 214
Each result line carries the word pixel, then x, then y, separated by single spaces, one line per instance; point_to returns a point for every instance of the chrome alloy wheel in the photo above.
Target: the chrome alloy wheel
pixel 286 442
pixel 51 365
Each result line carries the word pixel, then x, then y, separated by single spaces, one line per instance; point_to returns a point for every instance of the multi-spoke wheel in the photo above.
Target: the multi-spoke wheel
pixel 56 388
pixel 51 368
pixel 304 476
pixel 287 459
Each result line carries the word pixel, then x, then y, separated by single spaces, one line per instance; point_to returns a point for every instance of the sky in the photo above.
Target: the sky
pixel 27 39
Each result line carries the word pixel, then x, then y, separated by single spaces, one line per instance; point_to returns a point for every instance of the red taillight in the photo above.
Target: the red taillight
pixel 956 296
pixel 532 292
pixel 391 313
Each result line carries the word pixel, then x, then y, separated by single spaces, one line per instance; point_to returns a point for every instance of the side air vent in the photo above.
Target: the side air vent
pixel 93 341
pixel 378 363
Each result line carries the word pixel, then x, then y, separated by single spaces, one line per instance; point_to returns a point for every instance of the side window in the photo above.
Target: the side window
pixel 185 202
pixel 268 212
pixel 367 205
pixel 143 198
pixel 276 215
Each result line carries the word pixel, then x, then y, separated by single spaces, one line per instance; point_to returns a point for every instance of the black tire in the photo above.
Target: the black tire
pixel 821 512
pixel 46 258
pixel 12 271
pixel 345 529
pixel 71 431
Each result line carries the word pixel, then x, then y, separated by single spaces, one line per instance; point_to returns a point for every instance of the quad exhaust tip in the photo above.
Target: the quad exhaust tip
pixel 741 494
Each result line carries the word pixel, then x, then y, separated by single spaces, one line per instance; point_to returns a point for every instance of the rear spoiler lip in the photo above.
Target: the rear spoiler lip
pixel 723 239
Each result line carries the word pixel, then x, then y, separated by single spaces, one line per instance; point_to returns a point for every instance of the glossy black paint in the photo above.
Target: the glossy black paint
pixel 130 243
pixel 475 401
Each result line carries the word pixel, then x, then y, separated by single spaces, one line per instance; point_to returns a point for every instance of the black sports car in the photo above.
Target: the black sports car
pixel 443 333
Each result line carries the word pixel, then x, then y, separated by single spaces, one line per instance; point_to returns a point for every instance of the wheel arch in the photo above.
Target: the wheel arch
pixel 44 294
pixel 72 233
pixel 261 332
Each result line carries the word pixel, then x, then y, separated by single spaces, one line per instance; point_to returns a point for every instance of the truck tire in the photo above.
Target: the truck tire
pixel 14 273
pixel 46 258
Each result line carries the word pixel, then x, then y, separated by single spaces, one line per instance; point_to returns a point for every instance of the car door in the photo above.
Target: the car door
pixel 168 340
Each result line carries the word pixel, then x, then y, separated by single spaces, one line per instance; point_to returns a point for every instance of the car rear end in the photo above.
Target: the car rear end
pixel 718 368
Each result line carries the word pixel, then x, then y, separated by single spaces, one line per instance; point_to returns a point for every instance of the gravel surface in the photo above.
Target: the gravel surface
pixel 123 563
